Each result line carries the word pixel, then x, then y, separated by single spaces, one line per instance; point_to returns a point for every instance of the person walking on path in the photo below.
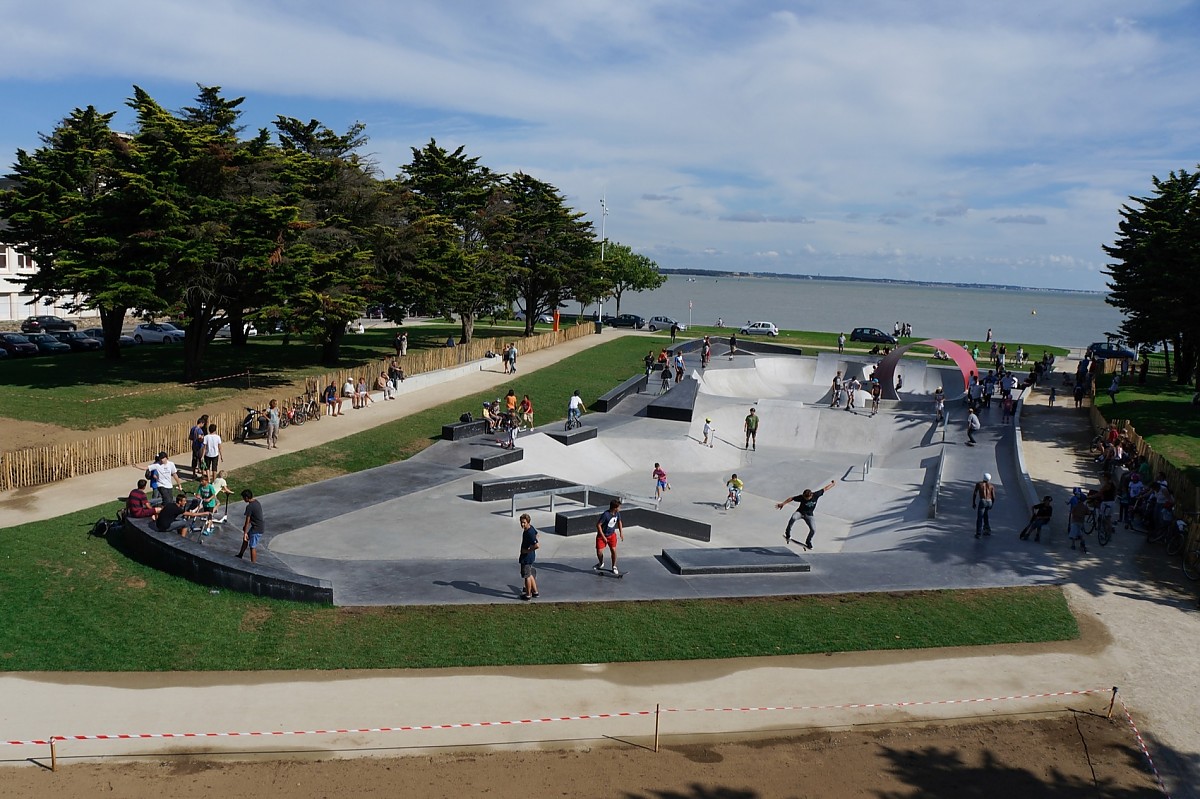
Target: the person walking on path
pixel 807 500
pixel 982 499
pixel 660 482
pixel 196 437
pixel 608 529
pixel 679 367
pixel 751 428
pixel 1077 515
pixel 529 547
pixel 1114 387
pixel 253 528
pixel 272 427
pixel 674 330
pixel 665 374
pixel 213 451
pixel 972 426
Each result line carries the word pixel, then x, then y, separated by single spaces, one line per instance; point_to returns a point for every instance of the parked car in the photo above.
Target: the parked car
pixel 544 318
pixel 626 320
pixel 759 329
pixel 1103 350
pixel 98 334
pixel 78 342
pixel 47 344
pixel 225 332
pixel 4 354
pixel 872 335
pixel 16 344
pixel 157 333
pixel 46 324
pixel 663 323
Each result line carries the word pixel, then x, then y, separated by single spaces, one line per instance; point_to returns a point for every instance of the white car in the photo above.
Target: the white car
pixel 663 323
pixel 759 329
pixel 543 318
pixel 251 330
pixel 157 333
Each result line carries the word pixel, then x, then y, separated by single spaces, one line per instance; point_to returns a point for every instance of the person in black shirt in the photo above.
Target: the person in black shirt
pixel 252 528
pixel 175 517
pixel 807 500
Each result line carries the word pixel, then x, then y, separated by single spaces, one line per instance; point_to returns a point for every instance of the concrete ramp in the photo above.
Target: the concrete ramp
pixel 786 371
pixel 738 382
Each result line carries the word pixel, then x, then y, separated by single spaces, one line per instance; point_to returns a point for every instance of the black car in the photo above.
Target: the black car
pixel 98 334
pixel 871 334
pixel 79 342
pixel 626 320
pixel 46 324
pixel 1103 350
pixel 47 344
pixel 16 344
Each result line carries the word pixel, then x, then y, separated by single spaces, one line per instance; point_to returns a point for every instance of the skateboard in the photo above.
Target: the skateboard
pixel 608 573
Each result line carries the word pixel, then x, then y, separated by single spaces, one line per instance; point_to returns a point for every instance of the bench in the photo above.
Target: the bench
pixel 569 437
pixel 504 487
pixel 499 458
pixel 460 430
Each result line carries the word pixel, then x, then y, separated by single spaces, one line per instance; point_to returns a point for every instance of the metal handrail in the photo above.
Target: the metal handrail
pixel 552 493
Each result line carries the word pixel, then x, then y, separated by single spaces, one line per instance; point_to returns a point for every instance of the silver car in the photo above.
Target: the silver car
pixel 663 323
pixel 157 333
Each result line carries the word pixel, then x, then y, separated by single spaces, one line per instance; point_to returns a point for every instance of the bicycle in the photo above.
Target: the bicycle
pixel 574 420
pixel 311 408
pixel 1100 523
pixel 733 498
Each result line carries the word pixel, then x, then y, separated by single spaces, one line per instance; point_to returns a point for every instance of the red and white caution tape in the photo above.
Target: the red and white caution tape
pixel 1145 750
pixel 543 720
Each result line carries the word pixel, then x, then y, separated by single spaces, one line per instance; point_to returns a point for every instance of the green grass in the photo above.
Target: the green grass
pixel 77 604
pixel 83 391
pixel 1162 412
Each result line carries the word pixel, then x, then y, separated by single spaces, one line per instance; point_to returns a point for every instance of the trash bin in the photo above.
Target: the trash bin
pixel 599 327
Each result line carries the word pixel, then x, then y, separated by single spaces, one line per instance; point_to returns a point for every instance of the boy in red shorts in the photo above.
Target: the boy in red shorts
pixel 608 530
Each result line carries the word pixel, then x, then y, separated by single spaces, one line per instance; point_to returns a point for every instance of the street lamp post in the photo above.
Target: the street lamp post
pixel 603 241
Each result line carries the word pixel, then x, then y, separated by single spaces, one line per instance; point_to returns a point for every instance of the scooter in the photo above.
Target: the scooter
pixel 253 426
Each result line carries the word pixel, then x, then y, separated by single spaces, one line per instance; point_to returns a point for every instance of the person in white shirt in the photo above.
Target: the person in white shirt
pixel 167 476
pixel 212 452
pixel 348 391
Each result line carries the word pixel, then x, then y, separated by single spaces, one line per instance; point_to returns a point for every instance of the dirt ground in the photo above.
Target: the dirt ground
pixel 1065 755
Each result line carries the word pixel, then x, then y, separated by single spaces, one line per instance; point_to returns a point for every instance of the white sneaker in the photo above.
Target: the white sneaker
pixel 615 572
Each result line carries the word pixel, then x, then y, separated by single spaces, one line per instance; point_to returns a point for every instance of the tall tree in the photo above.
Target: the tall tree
pixel 81 208
pixel 457 211
pixel 343 210
pixel 1156 269
pixel 553 246
pixel 625 270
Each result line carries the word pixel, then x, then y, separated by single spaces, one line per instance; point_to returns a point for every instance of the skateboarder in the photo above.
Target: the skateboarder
pixel 982 499
pixel 608 529
pixel 751 428
pixel 807 500
pixel 972 426
pixel 529 547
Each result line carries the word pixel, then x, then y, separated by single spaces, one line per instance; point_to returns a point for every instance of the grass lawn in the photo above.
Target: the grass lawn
pixel 1162 412
pixel 77 604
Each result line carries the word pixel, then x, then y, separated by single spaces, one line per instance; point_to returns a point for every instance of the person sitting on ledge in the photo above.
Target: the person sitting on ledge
pixel 137 504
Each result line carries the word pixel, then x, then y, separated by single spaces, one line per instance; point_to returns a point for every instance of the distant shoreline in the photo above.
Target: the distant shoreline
pixel 896 281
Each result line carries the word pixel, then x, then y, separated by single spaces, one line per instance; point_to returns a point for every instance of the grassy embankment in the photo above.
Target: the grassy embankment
pixel 77 604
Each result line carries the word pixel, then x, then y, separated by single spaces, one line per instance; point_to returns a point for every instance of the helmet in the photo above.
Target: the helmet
pixel 708 418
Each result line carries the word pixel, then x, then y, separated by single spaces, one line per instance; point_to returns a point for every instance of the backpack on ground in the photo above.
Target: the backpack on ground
pixel 465 418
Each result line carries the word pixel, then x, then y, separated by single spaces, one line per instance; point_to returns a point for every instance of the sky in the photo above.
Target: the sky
pixel 972 142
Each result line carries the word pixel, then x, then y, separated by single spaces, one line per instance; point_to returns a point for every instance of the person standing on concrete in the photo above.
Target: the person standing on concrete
pixel 835 390
pixel 751 428
pixel 982 499
pixel 665 374
pixel 213 451
pixel 196 437
pixel 710 433
pixel 841 342
pixel 272 428
pixel 529 547
pixel 807 500
pixel 679 366
pixel 732 345
pixel 972 426
pixel 167 477
pixel 253 528
pixel 674 330
pixel 608 529
pixel 939 403
pixel 876 394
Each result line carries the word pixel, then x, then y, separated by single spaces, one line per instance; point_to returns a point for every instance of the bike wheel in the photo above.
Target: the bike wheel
pixel 1104 534
pixel 1089 523
pixel 312 411
pixel 300 417
pixel 283 421
pixel 727 503
pixel 1176 543
pixel 1191 563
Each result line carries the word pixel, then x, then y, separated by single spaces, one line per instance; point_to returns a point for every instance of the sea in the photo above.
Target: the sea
pixel 964 314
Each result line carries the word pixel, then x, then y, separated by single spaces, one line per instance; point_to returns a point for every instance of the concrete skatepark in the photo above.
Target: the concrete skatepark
pixel 411 532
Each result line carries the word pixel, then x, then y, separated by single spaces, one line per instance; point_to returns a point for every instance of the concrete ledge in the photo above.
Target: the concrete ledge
pixel 741 560
pixel 607 401
pixel 677 404
pixel 461 430
pixel 1027 489
pixel 500 458
pixel 504 487
pixel 173 554
pixel 763 347
pixel 583 520
pixel 569 437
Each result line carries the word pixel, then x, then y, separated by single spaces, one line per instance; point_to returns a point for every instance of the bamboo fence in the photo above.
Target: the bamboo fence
pixel 53 464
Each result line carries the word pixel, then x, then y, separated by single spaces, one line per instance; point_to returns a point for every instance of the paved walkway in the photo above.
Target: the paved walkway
pixel 1139 633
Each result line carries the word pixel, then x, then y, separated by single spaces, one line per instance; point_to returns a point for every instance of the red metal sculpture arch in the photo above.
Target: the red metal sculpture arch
pixel 886 371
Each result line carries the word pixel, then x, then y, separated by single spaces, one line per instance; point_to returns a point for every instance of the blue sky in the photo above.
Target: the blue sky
pixel 963 141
